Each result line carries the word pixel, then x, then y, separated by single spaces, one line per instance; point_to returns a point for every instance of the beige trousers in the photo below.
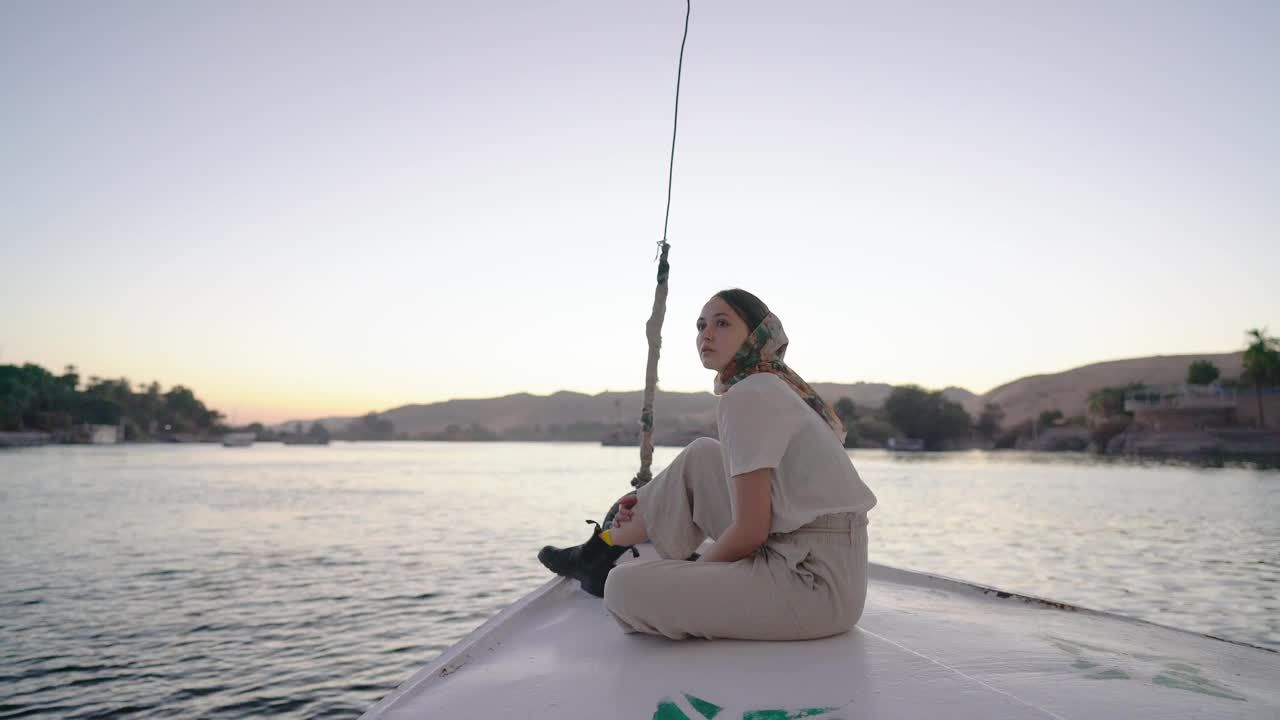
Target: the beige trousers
pixel 805 584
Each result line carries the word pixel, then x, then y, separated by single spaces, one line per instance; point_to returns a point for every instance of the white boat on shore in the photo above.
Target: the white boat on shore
pixel 905 444
pixel 926 647
pixel 238 439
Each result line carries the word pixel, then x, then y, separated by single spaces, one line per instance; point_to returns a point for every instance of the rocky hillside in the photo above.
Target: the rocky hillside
pixel 526 415
pixel 1069 391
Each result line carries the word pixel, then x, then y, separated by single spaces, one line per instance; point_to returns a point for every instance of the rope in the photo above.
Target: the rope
pixel 653 328
pixel 675 119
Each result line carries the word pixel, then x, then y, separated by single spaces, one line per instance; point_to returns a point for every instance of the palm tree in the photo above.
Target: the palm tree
pixel 1261 364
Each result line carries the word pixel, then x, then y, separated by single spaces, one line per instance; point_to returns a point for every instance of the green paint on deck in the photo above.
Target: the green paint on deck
pixel 1191 679
pixel 708 710
pixel 784 714
pixel 668 711
pixel 1173 674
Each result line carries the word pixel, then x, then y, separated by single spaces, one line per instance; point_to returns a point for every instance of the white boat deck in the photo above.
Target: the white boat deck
pixel 926 647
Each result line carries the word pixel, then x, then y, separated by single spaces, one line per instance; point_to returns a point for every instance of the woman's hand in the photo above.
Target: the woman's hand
pixel 625 512
pixel 753 516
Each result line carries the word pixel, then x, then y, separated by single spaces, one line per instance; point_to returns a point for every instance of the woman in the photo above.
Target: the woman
pixel 777 493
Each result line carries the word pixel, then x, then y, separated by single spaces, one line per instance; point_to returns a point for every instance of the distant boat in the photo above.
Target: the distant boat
pixel 238 439
pixel 905 444
pixel 103 434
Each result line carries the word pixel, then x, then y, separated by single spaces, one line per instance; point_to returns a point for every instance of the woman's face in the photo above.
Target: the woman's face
pixel 720 333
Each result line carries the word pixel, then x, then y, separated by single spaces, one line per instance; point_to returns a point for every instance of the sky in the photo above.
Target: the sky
pixel 301 209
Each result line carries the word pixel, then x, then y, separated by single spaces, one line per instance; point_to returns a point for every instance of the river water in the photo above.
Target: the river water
pixel 199 581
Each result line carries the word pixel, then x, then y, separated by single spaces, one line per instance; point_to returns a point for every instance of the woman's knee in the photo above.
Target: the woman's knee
pixel 704 445
pixel 705 452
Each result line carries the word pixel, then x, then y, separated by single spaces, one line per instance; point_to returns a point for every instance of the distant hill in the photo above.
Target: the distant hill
pixel 524 412
pixel 526 415
pixel 1069 391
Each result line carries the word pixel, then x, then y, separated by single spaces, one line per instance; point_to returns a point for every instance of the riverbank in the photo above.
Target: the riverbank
pixel 1160 449
pixel 24 439
pixel 1202 443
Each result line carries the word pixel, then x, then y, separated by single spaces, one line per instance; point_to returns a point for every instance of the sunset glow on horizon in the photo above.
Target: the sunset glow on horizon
pixel 302 211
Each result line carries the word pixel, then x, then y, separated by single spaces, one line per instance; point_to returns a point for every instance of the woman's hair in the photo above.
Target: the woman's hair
pixel 750 308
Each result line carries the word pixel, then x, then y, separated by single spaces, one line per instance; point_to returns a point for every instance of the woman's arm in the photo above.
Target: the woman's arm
pixel 753 498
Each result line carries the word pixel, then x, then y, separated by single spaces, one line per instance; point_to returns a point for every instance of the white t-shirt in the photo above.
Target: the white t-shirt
pixel 763 423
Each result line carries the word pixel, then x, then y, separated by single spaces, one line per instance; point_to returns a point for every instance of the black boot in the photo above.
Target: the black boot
pixel 588 563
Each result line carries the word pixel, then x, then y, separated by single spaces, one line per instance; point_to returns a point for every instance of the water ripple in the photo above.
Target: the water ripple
pixel 204 583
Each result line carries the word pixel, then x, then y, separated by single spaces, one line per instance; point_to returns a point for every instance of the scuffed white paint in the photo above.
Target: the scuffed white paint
pixel 926 647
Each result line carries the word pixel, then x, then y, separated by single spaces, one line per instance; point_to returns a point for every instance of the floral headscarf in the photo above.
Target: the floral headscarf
pixel 762 352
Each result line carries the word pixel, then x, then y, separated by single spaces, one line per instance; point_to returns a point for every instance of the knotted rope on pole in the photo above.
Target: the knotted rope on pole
pixel 653 328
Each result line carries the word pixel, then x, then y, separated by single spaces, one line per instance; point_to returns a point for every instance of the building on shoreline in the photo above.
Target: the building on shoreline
pixel 1199 420
pixel 1182 407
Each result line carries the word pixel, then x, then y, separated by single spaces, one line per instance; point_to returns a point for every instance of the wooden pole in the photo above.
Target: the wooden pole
pixel 653 331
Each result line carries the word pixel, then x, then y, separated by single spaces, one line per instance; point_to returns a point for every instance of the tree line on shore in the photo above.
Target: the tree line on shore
pixel 911 412
pixel 34 399
pixel 366 427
